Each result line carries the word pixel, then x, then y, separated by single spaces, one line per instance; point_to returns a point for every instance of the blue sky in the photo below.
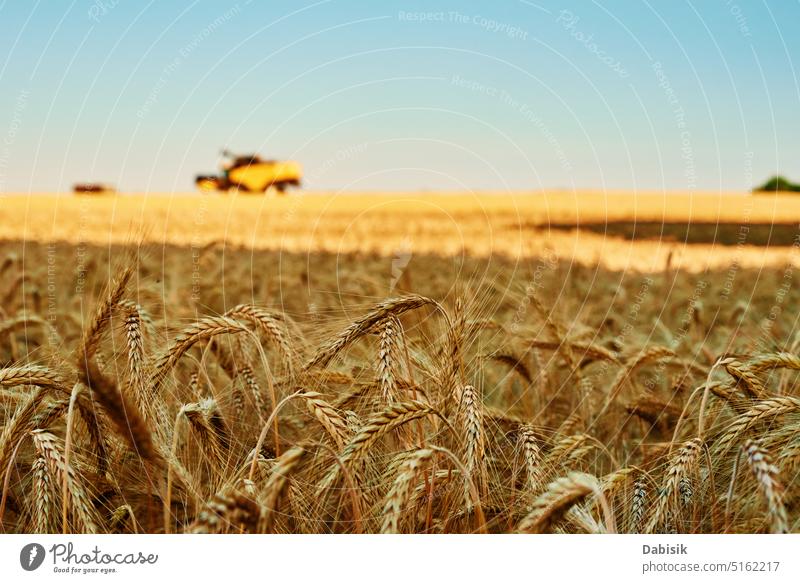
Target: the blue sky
pixel 401 95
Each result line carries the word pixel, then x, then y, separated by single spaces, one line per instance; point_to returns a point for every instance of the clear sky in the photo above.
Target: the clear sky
pixel 401 95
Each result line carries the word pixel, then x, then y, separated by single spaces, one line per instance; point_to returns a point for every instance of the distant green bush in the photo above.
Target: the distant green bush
pixel 778 184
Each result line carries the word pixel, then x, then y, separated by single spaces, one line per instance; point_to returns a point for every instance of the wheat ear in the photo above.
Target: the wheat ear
pixel 679 470
pixel 203 329
pixel 273 326
pixel 390 307
pixel 472 427
pixel 124 414
pixel 766 475
pixel 328 417
pixel 761 411
pixel 397 498
pixel 287 464
pixel 560 495
pixel 136 356
pixel 638 505
pixel 532 455
pixel 652 354
pixel 49 447
pixel 745 377
pixel 45 495
pixel 387 358
pixel 17 427
pixel 210 429
pixel 389 419
pixel 227 510
pixel 39 376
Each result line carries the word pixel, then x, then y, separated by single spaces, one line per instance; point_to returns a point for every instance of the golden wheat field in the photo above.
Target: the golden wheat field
pixel 396 364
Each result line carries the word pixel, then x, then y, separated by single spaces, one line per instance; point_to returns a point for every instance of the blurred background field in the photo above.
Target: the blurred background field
pixel 618 230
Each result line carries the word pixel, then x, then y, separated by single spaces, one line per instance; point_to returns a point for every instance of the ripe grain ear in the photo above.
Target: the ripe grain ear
pixel 560 495
pixel 766 475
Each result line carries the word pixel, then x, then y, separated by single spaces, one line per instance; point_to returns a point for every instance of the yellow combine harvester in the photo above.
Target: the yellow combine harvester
pixel 252 174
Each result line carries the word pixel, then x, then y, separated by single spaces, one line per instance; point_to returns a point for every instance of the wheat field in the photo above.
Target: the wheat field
pixel 407 365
